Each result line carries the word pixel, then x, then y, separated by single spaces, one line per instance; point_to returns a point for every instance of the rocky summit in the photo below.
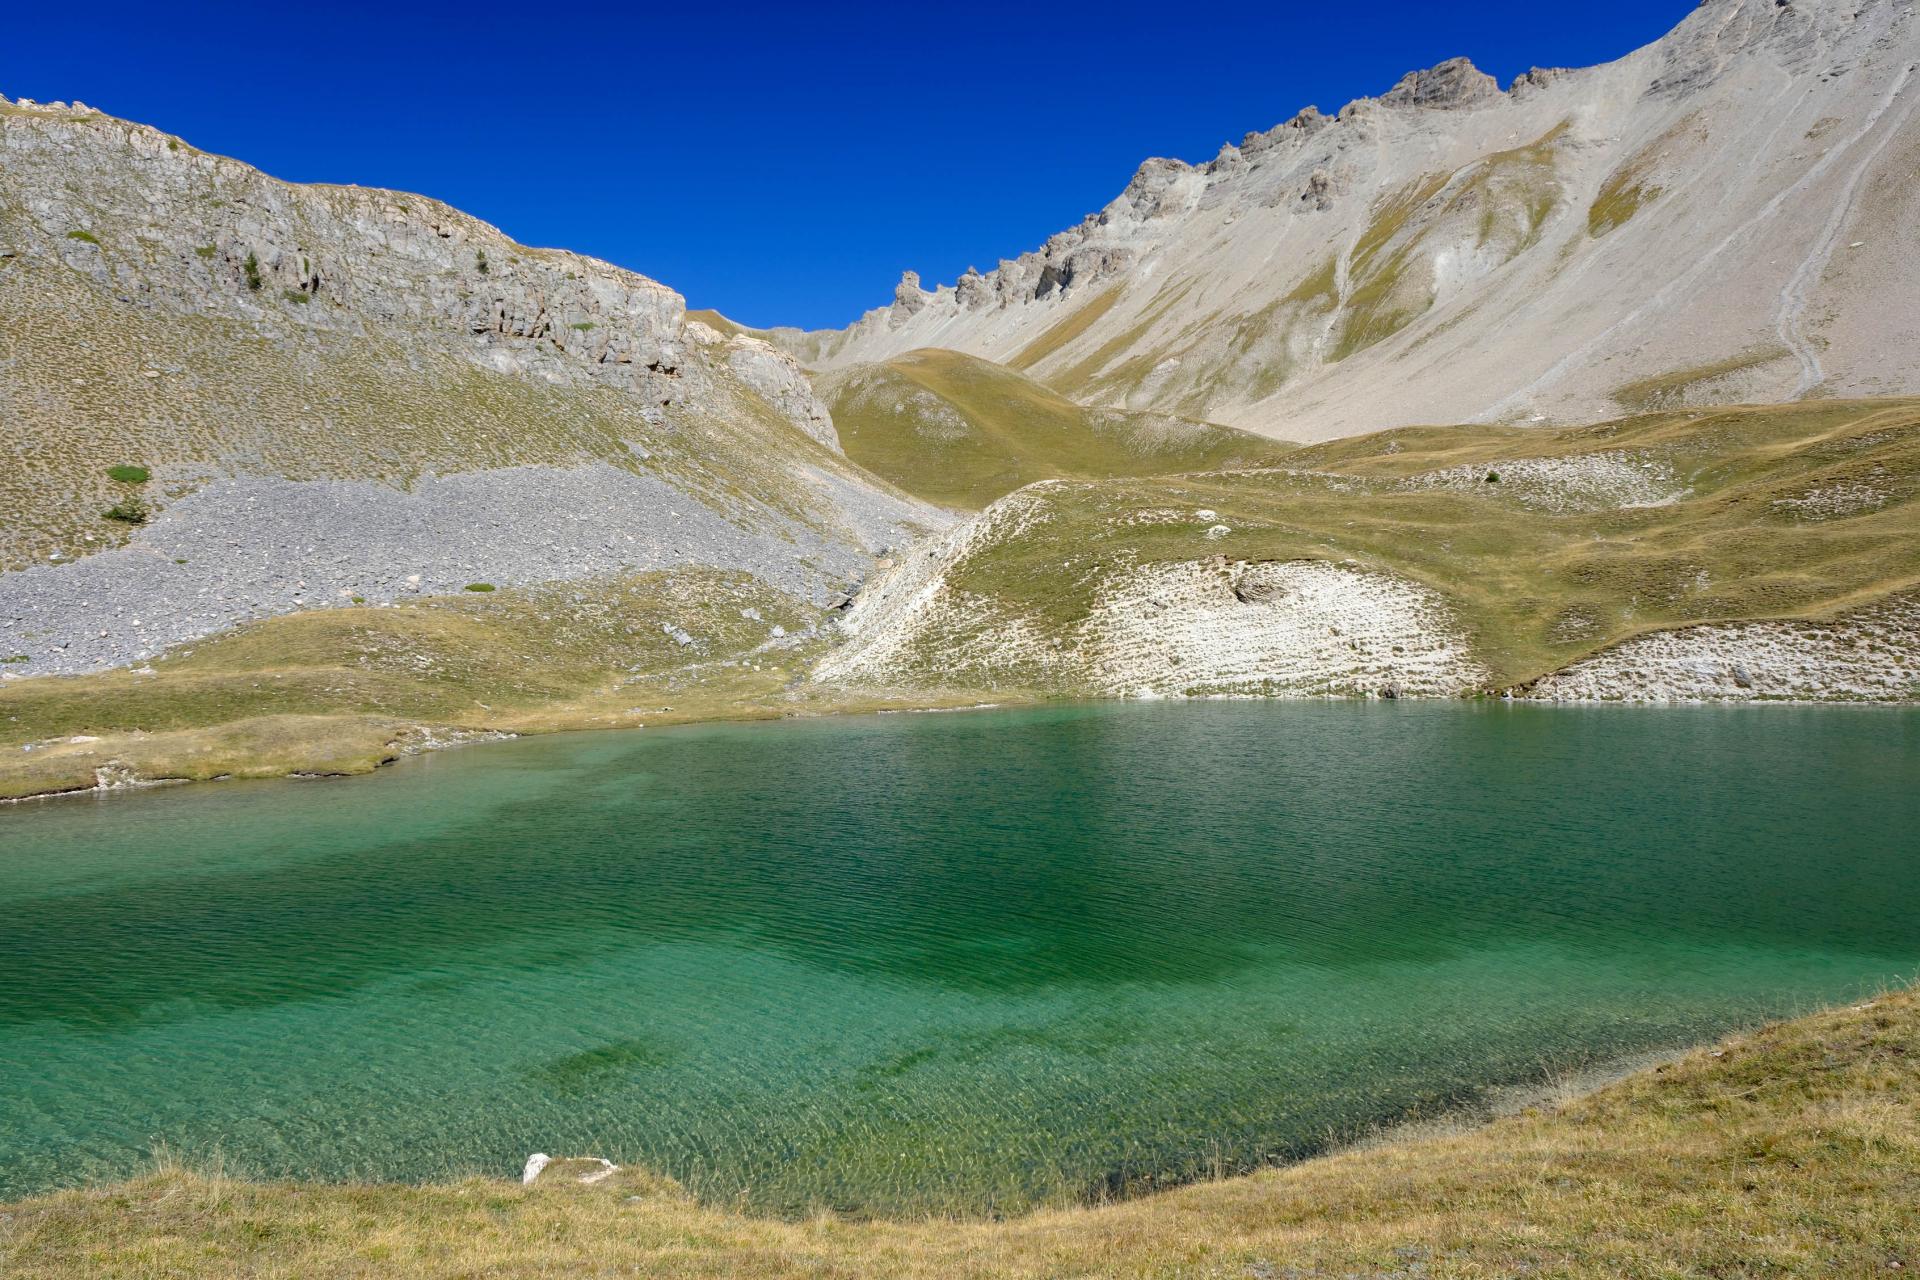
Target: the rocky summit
pixel 1727 214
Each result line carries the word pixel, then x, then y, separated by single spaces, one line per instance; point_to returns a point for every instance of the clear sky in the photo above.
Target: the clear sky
pixel 781 163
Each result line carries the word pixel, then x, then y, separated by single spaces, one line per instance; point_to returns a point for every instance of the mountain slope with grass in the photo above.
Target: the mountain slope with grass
pixel 225 397
pixel 1747 553
pixel 1724 215
pixel 960 431
pixel 1790 1151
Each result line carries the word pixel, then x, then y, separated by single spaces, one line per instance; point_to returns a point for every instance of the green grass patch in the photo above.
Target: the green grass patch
pixel 128 473
pixel 1319 290
pixel 86 237
pixel 719 323
pixel 1506 198
pixel 961 431
pixel 1087 375
pixel 1672 389
pixel 1617 203
pixel 1066 329
pixel 128 511
pixel 478 586
pixel 569 655
pixel 1377 303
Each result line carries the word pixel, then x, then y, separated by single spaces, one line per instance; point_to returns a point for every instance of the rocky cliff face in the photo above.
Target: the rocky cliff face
pixel 1726 214
pixel 163 226
pixel 333 393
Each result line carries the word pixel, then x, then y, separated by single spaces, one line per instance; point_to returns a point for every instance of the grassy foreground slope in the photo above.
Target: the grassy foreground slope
pixel 1792 1151
pixel 1539 547
pixel 961 431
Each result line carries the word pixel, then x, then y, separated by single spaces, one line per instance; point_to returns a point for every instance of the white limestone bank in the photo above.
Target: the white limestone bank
pixel 1869 656
pixel 1219 627
pixel 1208 627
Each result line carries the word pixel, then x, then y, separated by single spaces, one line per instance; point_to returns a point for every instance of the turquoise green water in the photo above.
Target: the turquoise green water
pixel 962 962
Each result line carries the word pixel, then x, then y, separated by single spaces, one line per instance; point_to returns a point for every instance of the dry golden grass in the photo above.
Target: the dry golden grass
pixel 343 691
pixel 1792 1151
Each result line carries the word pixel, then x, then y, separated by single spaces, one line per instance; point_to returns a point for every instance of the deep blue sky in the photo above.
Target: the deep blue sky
pixel 782 163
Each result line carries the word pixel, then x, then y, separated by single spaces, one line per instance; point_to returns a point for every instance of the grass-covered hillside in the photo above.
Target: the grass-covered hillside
pixel 1437 560
pixel 960 431
pixel 1792 1151
pixel 1774 550
pixel 93 384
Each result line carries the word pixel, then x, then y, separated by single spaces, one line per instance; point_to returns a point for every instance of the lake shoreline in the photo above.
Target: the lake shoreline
pixel 94 765
pixel 1586 1186
pixel 1399 911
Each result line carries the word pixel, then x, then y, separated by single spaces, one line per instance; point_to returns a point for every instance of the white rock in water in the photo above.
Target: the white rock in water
pixel 535 1163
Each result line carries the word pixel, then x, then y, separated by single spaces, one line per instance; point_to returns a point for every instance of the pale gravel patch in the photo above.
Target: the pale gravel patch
pixel 1149 516
pixel 254 547
pixel 1579 484
pixel 1870 656
pixel 1836 501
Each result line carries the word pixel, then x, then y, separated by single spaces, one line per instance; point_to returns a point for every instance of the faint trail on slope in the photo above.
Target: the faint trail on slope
pixel 1686 278
pixel 1794 294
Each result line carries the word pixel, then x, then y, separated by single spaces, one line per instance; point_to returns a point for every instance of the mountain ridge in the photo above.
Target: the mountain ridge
pixel 1673 210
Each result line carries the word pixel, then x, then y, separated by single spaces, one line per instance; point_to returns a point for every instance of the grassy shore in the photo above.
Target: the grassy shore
pixel 1790 1151
pixel 343 691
